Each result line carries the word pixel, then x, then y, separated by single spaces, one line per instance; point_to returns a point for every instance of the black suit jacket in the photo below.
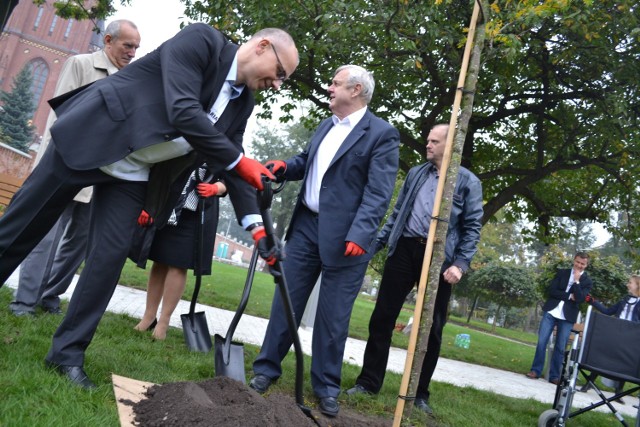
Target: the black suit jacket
pixel 557 293
pixel 161 96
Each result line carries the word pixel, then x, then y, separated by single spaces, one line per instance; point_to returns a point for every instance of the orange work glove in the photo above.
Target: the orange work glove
pixel 260 240
pixel 278 167
pixel 251 171
pixel 145 220
pixel 353 250
pixel 208 190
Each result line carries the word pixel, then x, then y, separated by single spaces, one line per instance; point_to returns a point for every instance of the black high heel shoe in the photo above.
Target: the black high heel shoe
pixel 152 325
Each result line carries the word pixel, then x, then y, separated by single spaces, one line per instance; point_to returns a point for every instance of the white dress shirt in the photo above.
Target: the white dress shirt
pixel 326 152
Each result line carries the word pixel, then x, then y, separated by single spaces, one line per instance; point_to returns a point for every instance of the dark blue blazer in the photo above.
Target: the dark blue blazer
pixel 159 97
pixel 356 189
pixel 617 308
pixel 557 293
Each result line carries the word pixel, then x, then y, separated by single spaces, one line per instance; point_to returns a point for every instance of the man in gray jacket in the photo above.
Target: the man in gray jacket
pixel 405 233
pixel 48 270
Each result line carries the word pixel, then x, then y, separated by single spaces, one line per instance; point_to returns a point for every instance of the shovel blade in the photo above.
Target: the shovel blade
pixel 233 365
pixel 196 332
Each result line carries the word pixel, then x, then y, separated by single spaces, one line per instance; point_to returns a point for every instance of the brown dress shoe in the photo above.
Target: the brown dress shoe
pixel 532 375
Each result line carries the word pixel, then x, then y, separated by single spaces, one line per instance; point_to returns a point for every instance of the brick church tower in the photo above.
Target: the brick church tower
pixel 36 37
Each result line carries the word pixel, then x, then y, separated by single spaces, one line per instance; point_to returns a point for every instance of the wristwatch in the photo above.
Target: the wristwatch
pixel 254 225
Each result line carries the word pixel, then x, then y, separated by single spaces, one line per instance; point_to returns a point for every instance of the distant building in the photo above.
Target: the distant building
pixel 35 36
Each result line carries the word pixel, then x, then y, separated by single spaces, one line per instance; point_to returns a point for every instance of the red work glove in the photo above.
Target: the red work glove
pixel 251 171
pixel 208 190
pixel 145 220
pixel 260 240
pixel 278 167
pixel 589 299
pixel 353 250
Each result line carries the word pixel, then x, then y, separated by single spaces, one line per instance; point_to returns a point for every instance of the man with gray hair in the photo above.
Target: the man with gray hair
pixel 48 270
pixel 348 172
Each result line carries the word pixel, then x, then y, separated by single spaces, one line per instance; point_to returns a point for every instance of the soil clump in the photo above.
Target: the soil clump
pixel 222 401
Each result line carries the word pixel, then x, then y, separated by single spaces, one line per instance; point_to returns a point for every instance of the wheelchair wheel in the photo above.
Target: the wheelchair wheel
pixel 548 418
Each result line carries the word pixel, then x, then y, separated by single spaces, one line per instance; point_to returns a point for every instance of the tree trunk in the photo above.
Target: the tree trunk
pixel 473 307
pixel 495 318
pixel 433 260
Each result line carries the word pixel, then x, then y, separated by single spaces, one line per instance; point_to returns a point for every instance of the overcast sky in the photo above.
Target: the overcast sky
pixel 157 21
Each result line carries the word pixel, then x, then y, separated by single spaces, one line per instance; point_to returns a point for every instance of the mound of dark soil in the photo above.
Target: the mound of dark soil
pixel 223 402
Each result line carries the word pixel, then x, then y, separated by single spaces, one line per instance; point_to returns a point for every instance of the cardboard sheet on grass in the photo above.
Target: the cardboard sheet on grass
pixel 128 392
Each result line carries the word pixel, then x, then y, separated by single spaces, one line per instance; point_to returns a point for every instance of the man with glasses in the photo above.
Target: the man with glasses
pixel 280 72
pixel 193 93
pixel 348 173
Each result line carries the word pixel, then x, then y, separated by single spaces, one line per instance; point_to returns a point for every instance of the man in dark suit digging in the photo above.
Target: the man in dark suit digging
pixel 195 92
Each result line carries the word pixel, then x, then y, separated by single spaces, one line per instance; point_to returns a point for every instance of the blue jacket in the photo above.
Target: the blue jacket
pixel 465 221
pixel 558 292
pixel 356 189
pixel 617 308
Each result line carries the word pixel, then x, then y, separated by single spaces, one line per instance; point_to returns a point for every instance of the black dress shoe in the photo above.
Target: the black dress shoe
pixel 75 374
pixel 260 383
pixel 52 310
pixel 357 389
pixel 329 406
pixel 423 405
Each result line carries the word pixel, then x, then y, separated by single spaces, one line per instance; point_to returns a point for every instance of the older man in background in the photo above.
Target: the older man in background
pixel 48 270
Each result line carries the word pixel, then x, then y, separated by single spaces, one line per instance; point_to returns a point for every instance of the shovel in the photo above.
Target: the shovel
pixel 229 355
pixel 194 325
pixel 277 271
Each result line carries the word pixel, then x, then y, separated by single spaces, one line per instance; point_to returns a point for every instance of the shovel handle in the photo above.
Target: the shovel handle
pixel 198 255
pixel 264 199
pixel 243 304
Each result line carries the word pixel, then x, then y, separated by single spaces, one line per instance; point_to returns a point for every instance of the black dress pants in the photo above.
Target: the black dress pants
pixel 36 207
pixel 401 273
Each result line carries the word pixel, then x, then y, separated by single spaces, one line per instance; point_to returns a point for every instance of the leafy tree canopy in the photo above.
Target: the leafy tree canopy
pixel 556 110
pixel 77 9
pixel 555 126
pixel 506 284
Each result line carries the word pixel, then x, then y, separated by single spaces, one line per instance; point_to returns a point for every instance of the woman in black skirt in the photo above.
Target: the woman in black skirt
pixel 173 250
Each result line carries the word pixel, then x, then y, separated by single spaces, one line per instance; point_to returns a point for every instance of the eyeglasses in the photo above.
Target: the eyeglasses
pixel 281 73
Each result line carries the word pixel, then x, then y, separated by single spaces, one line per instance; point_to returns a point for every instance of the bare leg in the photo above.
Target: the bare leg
pixel 175 282
pixel 155 288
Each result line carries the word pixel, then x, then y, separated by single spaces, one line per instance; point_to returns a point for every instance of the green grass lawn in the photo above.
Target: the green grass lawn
pixel 224 287
pixel 31 395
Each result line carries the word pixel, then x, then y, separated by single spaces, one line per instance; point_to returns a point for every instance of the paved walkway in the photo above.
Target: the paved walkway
pixel 251 330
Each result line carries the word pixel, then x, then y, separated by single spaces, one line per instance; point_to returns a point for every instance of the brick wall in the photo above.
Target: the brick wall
pixel 14 162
